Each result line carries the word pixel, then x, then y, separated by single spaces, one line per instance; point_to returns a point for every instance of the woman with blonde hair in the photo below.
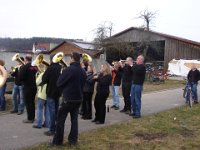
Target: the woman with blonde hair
pixel 103 82
pixel 87 93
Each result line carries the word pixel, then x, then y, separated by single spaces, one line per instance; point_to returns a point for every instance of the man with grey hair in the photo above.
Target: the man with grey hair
pixel 138 71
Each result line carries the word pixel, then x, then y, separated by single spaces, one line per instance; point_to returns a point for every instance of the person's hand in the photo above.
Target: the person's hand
pixel 95 77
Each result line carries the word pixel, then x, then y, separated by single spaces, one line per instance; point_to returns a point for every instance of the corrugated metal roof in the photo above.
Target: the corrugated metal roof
pixel 85 45
pixel 157 33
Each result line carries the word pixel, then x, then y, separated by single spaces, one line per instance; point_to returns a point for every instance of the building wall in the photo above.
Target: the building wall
pixel 175 49
pixel 66 49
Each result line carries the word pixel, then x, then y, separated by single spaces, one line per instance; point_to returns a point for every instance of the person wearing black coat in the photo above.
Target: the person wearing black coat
pixel 102 92
pixel 27 76
pixel 126 84
pixel 71 83
pixel 17 93
pixel 87 94
pixel 50 78
pixel 193 78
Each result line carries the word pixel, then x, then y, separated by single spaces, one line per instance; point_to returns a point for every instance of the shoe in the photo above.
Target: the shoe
pixel 113 106
pixel 1 109
pixel 37 127
pixel 98 122
pixel 87 118
pixel 136 117
pixel 19 113
pixel 49 133
pixel 28 121
pixel 94 120
pixel 128 112
pixel 13 112
pixel 116 108
pixel 122 111
pixel 196 102
pixel 131 114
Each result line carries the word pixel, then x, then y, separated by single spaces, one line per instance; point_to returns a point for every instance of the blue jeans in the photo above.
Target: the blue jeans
pixel 136 93
pixel 194 92
pixel 18 97
pixel 115 94
pixel 2 97
pixel 52 106
pixel 40 107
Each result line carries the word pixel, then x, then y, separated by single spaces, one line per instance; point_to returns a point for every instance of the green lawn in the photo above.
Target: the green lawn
pixel 176 129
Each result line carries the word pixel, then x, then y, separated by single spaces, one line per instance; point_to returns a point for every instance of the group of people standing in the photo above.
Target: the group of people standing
pixel 132 77
pixel 75 84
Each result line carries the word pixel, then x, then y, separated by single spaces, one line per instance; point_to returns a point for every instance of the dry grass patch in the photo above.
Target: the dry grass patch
pixel 156 132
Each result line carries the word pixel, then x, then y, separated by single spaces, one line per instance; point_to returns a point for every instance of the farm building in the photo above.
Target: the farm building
pixel 67 47
pixel 153 45
pixel 49 50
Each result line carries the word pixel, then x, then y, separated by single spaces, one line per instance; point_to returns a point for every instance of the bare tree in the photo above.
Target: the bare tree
pixel 148 17
pixel 103 31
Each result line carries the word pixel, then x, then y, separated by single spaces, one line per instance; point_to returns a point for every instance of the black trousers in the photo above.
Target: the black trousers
pixel 100 106
pixel 87 104
pixel 29 101
pixel 126 89
pixel 65 108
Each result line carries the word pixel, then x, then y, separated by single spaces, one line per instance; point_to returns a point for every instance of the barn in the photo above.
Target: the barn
pixel 67 47
pixel 158 46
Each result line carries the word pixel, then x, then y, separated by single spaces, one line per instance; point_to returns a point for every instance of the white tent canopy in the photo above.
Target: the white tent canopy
pixel 181 67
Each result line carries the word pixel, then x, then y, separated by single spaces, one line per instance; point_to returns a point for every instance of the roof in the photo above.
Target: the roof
pixel 44 46
pixel 159 34
pixel 86 47
pixel 17 51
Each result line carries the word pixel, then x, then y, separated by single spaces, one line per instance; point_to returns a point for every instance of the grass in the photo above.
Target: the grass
pixel 176 129
pixel 168 84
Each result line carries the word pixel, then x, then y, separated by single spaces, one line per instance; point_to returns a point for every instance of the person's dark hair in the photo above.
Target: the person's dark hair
pixel 28 58
pixel 2 63
pixel 22 58
pixel 75 56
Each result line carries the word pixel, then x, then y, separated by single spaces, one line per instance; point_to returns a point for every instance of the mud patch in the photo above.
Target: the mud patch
pixel 150 136
pixel 187 133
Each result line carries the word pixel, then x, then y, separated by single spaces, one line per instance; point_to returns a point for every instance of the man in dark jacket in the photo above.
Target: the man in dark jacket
pixel 193 78
pixel 27 77
pixel 71 84
pixel 17 93
pixel 126 84
pixel 116 82
pixel 50 78
pixel 139 72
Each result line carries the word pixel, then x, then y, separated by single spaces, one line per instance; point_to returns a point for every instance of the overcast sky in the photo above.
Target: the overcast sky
pixel 77 18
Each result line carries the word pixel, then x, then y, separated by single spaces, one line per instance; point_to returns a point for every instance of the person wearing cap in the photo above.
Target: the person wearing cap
pixel 27 76
pixel 71 83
